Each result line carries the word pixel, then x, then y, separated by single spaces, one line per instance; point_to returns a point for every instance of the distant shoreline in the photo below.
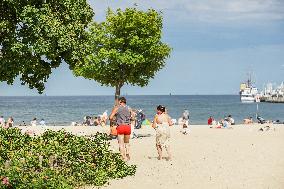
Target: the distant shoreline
pixel 121 95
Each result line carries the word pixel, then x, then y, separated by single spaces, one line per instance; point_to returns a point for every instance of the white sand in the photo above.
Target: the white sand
pixel 242 157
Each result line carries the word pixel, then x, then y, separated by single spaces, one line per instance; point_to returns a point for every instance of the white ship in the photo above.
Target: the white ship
pixel 272 90
pixel 248 92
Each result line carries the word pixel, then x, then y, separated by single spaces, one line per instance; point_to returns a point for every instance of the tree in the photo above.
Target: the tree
pixel 37 35
pixel 125 49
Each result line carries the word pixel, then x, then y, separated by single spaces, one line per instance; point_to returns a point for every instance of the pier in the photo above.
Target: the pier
pixel 272 99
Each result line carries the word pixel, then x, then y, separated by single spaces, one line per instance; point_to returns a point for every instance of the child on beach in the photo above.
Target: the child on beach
pixel 185 130
pixel 185 122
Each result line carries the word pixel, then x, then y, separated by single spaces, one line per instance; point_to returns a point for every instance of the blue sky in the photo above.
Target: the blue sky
pixel 215 43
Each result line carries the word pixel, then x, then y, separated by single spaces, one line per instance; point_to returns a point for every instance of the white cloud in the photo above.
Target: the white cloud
pixel 207 10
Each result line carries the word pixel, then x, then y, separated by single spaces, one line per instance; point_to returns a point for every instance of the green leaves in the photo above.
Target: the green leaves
pixel 125 49
pixel 57 160
pixel 36 36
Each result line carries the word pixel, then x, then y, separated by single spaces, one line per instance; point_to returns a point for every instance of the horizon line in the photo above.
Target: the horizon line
pixel 121 95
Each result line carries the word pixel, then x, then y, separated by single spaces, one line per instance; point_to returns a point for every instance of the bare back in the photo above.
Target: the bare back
pixel 163 118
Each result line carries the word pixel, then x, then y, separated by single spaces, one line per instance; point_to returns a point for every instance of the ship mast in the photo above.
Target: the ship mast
pixel 249 81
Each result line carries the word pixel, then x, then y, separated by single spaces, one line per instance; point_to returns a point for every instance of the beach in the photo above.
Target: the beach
pixel 241 157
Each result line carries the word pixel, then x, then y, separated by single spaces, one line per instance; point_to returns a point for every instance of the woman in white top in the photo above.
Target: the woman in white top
pixel 161 124
pixel 33 122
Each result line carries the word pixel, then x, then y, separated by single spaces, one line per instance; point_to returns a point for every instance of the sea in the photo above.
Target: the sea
pixel 62 110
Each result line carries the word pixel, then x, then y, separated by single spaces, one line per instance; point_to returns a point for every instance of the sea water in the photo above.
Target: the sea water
pixel 62 110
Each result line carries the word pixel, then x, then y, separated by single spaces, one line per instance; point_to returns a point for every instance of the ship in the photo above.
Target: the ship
pixel 272 93
pixel 248 92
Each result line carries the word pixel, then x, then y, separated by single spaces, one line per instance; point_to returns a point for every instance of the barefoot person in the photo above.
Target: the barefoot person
pixel 161 124
pixel 122 115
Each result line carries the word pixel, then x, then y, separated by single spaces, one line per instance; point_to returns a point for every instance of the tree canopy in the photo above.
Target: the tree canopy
pixel 37 35
pixel 125 49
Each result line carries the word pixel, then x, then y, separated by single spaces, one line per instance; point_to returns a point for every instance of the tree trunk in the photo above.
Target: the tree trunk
pixel 117 94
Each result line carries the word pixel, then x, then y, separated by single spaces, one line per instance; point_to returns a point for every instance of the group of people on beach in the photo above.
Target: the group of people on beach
pixel 8 123
pixel 94 120
pixel 34 123
pixel 223 123
pixel 121 118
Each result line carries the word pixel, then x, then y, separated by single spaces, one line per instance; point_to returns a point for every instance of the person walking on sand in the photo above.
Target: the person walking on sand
pixel 122 115
pixel 161 124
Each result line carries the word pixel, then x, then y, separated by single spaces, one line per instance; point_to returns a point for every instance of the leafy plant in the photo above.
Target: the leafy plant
pixel 57 159
pixel 37 35
pixel 125 49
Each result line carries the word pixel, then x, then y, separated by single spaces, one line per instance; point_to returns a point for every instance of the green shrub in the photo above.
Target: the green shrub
pixel 57 159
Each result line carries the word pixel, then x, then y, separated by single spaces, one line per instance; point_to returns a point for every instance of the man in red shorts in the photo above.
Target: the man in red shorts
pixel 122 114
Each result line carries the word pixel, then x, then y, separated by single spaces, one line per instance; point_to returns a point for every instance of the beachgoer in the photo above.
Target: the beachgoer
pixel 174 121
pixel 2 121
pixel 42 122
pixel 23 123
pixel 104 118
pixel 140 117
pixel 185 122
pixel 185 130
pixel 248 120
pixel 161 124
pixel 10 122
pixel 132 122
pixel 210 120
pixel 92 121
pixel 231 120
pixel 185 114
pixel 122 115
pixel 260 120
pixel 33 122
pixel 87 121
pixel 225 123
pixel 277 122
pixel 96 121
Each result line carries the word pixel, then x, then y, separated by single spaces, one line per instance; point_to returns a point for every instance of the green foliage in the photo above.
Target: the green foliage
pixel 37 35
pixel 57 160
pixel 125 49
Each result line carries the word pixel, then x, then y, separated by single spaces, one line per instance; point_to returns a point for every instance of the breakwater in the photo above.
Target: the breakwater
pixel 273 99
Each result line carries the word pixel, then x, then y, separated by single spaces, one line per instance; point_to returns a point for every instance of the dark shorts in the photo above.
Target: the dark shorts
pixel 123 130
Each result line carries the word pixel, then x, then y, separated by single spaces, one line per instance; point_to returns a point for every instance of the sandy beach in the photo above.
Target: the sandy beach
pixel 241 157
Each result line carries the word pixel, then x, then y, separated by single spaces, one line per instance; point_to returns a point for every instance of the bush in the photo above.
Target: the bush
pixel 57 159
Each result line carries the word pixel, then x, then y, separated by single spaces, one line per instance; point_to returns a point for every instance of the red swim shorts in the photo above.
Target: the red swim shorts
pixel 123 130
